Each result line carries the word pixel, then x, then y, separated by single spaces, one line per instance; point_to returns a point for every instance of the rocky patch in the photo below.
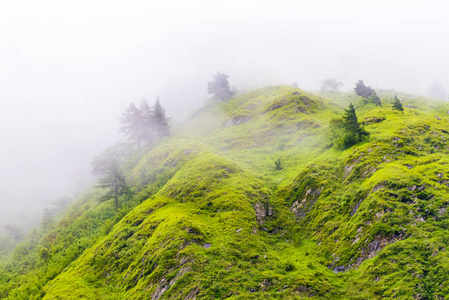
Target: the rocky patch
pixel 263 210
pixel 372 120
pixel 368 252
pixel 164 285
pixel 237 120
pixel 300 208
pixel 349 167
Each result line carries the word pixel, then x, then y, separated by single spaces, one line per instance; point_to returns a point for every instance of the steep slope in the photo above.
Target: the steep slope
pixel 216 219
pixel 214 230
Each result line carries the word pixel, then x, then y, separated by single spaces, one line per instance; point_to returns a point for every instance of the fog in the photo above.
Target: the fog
pixel 69 68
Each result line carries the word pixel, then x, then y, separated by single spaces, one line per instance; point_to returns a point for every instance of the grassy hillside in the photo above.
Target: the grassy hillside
pixel 212 217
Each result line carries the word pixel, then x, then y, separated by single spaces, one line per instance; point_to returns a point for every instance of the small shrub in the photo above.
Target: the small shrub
pixel 289 266
pixel 277 164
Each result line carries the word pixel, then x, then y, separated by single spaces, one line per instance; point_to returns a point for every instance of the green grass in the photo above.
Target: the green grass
pixel 212 217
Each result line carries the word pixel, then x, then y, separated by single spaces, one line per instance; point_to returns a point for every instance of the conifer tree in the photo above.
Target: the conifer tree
pixel 354 131
pixel 116 184
pixel 133 124
pixel 159 120
pixel 375 99
pixel 397 104
pixel 147 113
pixel 220 87
pixel 146 123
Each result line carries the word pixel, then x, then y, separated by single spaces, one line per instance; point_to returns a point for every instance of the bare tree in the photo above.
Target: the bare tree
pixel 330 85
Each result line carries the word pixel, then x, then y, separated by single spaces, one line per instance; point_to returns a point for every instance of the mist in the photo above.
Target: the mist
pixel 68 69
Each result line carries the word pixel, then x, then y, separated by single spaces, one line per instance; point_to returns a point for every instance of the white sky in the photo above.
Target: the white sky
pixel 69 68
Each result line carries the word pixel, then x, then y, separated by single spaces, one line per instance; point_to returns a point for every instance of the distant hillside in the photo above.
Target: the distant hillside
pixel 213 216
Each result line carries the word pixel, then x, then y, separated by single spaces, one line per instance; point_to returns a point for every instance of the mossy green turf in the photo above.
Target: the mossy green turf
pixel 213 217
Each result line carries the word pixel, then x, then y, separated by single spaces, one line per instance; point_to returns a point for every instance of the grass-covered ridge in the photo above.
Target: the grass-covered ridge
pixel 213 217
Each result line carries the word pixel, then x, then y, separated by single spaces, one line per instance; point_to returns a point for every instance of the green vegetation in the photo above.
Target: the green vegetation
pixel 211 217
pixel 115 182
pixel 277 164
pixel 346 131
pixel 397 105
pixel 375 99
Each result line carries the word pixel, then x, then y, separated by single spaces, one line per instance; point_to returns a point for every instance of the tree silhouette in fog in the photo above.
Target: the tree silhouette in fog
pixel 330 85
pixel 220 87
pixel 145 124
pixel 362 90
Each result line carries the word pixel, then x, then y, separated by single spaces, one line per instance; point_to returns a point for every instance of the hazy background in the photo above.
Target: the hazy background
pixel 69 68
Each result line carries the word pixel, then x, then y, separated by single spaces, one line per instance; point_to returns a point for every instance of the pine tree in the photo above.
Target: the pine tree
pixel 147 113
pixel 220 87
pixel 351 123
pixel 116 184
pixel 133 124
pixel 397 104
pixel 375 99
pixel 146 123
pixel 159 120
pixel 354 131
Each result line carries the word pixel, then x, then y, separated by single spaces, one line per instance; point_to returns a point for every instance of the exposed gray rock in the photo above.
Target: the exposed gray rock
pixel 184 260
pixel 369 252
pixel 161 289
pixel 372 120
pixel 237 120
pixel 263 210
pixel 164 285
pixel 419 219
pixel 266 282
pixel 192 294
pixel 348 168
pixel 339 269
pixel 300 208
pixel 355 208
pixel 369 171
pixel 378 187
